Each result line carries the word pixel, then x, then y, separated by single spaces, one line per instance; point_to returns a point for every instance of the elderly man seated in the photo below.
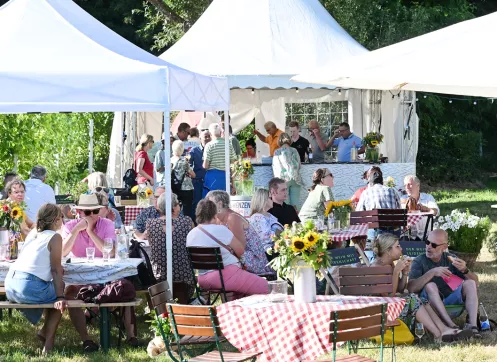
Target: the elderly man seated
pixel 444 280
pixel 416 200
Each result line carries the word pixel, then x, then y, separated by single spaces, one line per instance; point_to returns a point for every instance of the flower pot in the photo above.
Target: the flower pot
pixel 14 238
pixel 304 283
pixel 469 258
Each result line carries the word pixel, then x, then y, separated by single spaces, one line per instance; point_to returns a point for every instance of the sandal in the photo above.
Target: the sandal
pixel 475 332
pixel 89 346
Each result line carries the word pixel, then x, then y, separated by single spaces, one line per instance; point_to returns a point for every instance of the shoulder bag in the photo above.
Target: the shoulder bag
pixel 227 247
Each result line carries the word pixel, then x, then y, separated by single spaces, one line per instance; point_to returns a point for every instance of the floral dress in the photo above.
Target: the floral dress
pixel 286 164
pixel 408 314
pixel 265 226
pixel 181 262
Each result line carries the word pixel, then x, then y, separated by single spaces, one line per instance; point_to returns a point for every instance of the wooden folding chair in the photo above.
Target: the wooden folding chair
pixel 373 280
pixel 202 321
pixel 208 259
pixel 381 219
pixel 352 325
pixel 160 296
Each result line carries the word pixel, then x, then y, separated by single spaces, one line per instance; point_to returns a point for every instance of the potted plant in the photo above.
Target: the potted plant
pixel 371 141
pixel 302 252
pixel 341 211
pixel 11 217
pixel 467 234
pixel 241 170
pixel 143 194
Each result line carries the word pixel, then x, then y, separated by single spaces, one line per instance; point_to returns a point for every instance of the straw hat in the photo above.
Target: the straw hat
pixel 88 202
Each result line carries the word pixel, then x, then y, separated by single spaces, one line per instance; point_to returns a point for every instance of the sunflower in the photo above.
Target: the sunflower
pixel 374 143
pixel 247 164
pixel 16 212
pixel 148 192
pixel 311 238
pixel 298 244
pixel 328 208
pixel 134 189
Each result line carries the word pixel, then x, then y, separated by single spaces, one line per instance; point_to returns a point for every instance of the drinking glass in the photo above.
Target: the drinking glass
pixel 419 331
pixel 320 223
pixel 4 251
pixel 278 290
pixel 336 224
pixel 20 245
pixel 90 254
pixel 107 249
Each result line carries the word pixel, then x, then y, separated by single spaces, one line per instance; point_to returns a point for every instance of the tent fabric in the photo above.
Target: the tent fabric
pixel 58 58
pixel 266 42
pixel 194 119
pixel 438 62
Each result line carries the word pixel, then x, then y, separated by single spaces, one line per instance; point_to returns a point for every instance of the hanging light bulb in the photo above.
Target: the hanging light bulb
pixel 450 100
pixel 296 90
pixel 252 91
pixel 417 99
pixel 339 92
pixel 425 96
pixel 475 103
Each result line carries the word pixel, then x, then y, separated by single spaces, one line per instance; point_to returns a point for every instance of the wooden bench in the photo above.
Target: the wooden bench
pixel 104 313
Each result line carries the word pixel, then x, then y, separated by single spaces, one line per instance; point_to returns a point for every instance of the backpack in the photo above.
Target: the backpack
pixel 88 293
pixel 129 179
pixel 146 276
pixel 121 290
pixel 176 182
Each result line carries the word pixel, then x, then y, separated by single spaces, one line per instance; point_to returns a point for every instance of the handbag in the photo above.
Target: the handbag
pixel 227 247
pixel 402 335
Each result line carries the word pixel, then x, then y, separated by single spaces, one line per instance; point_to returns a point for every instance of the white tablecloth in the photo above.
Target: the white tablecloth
pixel 80 272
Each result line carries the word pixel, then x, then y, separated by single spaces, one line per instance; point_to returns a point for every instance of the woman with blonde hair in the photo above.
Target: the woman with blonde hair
pixel 286 165
pixel 388 250
pixel 142 165
pixel 183 172
pixel 36 276
pixel 261 220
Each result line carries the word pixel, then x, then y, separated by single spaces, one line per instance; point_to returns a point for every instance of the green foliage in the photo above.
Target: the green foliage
pixel 246 134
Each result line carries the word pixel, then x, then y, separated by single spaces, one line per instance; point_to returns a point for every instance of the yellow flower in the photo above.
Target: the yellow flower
pixel 16 212
pixel 328 209
pixel 311 238
pixel 134 189
pixel 298 244
pixel 247 164
pixel 148 192
pixel 374 143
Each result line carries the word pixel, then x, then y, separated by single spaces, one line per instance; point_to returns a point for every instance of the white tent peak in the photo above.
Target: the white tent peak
pixel 272 39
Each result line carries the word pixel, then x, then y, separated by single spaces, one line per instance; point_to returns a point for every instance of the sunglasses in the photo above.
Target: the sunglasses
pixel 89 212
pixel 433 245
pixel 104 189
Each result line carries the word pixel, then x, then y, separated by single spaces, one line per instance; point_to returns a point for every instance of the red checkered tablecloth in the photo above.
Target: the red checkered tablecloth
pixel 414 218
pixel 354 230
pixel 131 212
pixel 289 331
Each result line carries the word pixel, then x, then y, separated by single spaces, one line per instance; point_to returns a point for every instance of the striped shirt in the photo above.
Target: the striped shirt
pixel 214 154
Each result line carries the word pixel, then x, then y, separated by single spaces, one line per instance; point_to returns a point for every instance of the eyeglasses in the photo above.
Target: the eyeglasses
pixel 89 212
pixel 104 189
pixel 433 245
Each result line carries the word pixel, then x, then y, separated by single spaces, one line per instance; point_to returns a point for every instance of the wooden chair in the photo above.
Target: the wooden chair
pixel 373 280
pixel 160 296
pixel 202 321
pixel 352 325
pixel 383 219
pixel 208 259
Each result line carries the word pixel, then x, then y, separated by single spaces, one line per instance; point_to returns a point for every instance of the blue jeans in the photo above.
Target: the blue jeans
pixel 453 298
pixel 26 288
pixel 198 187
pixel 214 180
pixel 293 193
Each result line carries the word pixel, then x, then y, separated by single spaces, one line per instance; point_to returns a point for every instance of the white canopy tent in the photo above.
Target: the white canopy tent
pixel 458 59
pixel 82 66
pixel 269 42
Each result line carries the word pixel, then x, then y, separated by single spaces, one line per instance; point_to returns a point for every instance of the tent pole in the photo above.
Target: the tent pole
pixel 90 146
pixel 168 199
pixel 227 150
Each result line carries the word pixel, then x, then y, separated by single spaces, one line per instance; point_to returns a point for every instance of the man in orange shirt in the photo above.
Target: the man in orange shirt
pixel 272 138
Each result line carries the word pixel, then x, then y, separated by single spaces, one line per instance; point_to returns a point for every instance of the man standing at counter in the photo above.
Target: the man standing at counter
pixel 300 143
pixel 318 145
pixel 272 138
pixel 344 140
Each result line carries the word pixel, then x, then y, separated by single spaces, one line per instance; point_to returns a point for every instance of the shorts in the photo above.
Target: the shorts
pixel 452 299
pixel 26 288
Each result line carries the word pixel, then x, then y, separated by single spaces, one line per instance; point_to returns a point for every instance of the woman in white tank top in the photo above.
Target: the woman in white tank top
pixel 36 276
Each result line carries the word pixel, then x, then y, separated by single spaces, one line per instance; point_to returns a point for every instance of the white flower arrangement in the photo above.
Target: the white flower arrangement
pixel 456 220
pixel 389 181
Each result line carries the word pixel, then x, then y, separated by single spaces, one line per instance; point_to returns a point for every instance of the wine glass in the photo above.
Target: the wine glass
pixel 419 331
pixel 106 250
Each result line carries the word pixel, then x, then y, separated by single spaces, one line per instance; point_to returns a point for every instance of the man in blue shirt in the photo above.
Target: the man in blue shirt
pixel 344 140
pixel 196 160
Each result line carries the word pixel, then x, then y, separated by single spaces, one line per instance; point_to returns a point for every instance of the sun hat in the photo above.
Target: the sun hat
pixel 88 202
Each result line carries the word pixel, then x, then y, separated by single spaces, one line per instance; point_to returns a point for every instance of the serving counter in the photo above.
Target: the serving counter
pixel 348 176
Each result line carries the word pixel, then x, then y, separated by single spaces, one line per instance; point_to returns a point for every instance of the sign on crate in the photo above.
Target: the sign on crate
pixel 344 256
pixel 413 248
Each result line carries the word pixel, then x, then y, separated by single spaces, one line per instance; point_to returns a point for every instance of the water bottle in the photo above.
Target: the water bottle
pixel 353 153
pixel 484 322
pixel 122 245
pixel 309 151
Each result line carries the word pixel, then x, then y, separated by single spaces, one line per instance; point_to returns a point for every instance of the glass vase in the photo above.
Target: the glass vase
pixel 373 154
pixel 244 187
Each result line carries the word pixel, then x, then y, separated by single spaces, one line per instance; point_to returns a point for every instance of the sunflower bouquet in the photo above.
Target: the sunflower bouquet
pixel 372 139
pixel 300 242
pixel 143 194
pixel 341 205
pixel 11 214
pixel 241 170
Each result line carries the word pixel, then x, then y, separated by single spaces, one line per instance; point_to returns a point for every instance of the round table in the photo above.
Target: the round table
pixel 289 331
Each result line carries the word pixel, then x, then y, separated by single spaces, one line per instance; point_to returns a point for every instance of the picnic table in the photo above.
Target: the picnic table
pixel 131 213
pixel 80 272
pixel 290 331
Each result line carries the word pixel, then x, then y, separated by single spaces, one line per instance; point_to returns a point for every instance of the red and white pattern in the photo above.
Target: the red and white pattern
pixel 290 331
pixel 354 230
pixel 414 218
pixel 131 212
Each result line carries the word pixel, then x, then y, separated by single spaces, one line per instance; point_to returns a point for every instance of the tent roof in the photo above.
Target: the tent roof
pixel 56 57
pixel 458 59
pixel 262 43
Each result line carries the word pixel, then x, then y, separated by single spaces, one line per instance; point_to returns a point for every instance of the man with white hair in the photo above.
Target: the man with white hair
pixel 214 161
pixel 418 201
pixel 37 192
pixel 272 138
pixel 444 279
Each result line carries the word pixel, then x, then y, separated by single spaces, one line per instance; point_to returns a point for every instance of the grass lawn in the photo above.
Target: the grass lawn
pixel 18 342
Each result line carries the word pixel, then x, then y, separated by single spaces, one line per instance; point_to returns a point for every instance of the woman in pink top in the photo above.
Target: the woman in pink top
pixel 142 165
